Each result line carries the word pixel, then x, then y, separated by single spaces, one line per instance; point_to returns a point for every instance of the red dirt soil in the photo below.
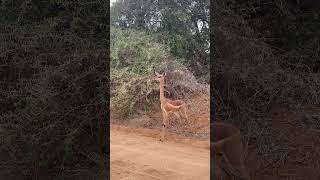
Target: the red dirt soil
pixel 138 154
pixel 301 145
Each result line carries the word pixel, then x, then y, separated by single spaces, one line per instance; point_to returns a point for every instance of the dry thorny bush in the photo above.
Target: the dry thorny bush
pixel 52 109
pixel 249 80
pixel 131 92
pixel 135 56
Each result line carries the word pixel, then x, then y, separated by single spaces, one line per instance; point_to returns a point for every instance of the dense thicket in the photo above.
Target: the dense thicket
pixel 53 86
pixel 256 68
pixel 135 55
pixel 265 43
pixel 53 60
pixel 291 28
pixel 183 25
pixel 171 36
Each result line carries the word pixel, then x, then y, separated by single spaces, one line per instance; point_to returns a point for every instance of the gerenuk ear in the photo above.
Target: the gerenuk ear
pixel 157 74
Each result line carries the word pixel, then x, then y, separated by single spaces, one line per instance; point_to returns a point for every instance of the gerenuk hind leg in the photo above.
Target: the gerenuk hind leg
pixel 164 125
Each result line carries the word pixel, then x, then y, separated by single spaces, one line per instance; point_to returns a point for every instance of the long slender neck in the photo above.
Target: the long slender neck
pixel 162 90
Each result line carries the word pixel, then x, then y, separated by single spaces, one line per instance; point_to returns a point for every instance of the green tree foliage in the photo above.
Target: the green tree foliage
pixel 134 58
pixel 135 51
pixel 135 55
pixel 183 25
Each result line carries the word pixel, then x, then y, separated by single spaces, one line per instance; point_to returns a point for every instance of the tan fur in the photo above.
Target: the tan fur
pixel 227 145
pixel 169 106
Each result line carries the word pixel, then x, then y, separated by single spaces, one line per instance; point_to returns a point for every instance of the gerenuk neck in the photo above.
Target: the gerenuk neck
pixel 162 91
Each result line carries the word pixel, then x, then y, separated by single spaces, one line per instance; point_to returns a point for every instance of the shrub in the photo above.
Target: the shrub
pixel 135 55
pixel 53 101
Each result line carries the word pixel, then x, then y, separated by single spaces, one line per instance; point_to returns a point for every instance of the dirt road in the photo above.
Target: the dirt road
pixel 138 157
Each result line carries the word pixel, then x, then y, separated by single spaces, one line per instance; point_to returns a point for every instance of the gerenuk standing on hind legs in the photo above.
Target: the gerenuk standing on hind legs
pixel 169 106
